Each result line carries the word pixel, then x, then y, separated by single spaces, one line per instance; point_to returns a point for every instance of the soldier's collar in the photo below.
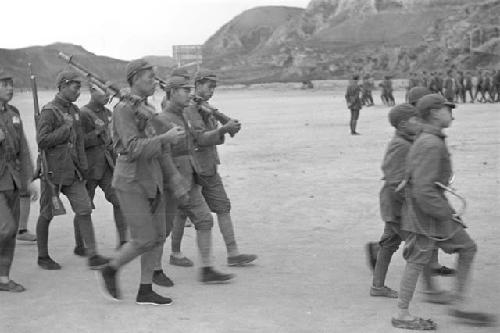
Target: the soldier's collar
pixel 435 130
pixel 406 136
pixel 62 101
pixel 4 107
pixel 174 109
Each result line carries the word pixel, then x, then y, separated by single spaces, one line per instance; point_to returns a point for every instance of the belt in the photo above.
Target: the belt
pixel 125 153
pixel 180 153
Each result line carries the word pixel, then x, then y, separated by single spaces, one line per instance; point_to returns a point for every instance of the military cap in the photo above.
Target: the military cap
pixel 401 112
pixel 416 93
pixel 67 76
pixel 4 75
pixel 205 75
pixel 135 66
pixel 182 72
pixel 179 82
pixel 432 102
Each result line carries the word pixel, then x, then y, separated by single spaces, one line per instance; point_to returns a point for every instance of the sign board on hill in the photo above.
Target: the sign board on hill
pixel 187 55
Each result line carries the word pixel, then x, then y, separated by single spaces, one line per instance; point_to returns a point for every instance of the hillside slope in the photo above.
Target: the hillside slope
pixel 334 38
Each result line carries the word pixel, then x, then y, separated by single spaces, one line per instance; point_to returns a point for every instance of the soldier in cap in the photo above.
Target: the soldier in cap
pixel 353 100
pixel 178 95
pixel 450 86
pixel 95 119
pixel 16 174
pixel 60 135
pixel 138 181
pixel 207 135
pixel 428 218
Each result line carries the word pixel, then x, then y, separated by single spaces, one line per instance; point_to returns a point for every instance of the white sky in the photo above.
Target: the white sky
pixel 120 29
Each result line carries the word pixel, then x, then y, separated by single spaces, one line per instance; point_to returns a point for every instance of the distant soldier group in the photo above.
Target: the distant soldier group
pixel 460 86
pixel 155 170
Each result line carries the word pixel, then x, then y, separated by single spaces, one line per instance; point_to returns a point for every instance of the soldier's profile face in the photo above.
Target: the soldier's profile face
pixel 145 82
pixel 206 90
pixel 6 90
pixel 71 90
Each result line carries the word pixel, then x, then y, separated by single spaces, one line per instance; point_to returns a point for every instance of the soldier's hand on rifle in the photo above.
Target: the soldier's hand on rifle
pixel 2 135
pixel 68 119
pixel 33 191
pixel 232 127
pixel 173 135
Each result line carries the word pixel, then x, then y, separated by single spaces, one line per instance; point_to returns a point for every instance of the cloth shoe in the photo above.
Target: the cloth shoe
pixel 152 298
pixel 183 261
pixel 241 259
pixel 12 286
pixel 26 237
pixel 48 264
pixel 210 275
pixel 383 292
pixel 161 279
pixel 109 282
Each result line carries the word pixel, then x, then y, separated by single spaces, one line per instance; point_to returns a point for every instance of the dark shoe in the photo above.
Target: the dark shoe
pixel 209 275
pixel 97 261
pixel 415 324
pixel 444 271
pixel 79 251
pixel 12 287
pixel 184 261
pixel 152 298
pixel 48 264
pixel 161 279
pixel 372 249
pixel 474 318
pixel 109 283
pixel 383 292
pixel 241 259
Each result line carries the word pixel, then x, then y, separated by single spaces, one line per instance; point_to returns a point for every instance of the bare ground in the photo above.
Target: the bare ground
pixel 305 199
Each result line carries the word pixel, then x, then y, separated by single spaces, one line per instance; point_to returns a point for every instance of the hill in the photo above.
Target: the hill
pixel 46 64
pixel 334 38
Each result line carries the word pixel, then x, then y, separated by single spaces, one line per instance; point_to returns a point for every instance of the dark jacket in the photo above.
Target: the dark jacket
pixel 206 138
pixel 63 144
pixel 352 97
pixel 16 166
pixel 98 147
pixel 394 167
pixel 426 210
pixel 450 86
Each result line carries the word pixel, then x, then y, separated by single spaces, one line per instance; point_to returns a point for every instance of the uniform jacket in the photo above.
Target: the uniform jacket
pixel 426 210
pixel 468 83
pixel 98 147
pixel 182 152
pixel 206 137
pixel 393 168
pixel 63 144
pixel 140 151
pixel 352 97
pixel 16 166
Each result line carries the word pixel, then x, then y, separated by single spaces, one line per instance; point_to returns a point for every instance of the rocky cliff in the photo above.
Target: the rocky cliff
pixel 334 38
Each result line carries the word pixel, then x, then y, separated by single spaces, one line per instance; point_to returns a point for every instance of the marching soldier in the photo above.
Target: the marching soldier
pixel 59 133
pixel 178 96
pixel 429 219
pixel 16 174
pixel 207 135
pixel 367 88
pixel 138 181
pixel 353 100
pixel 95 118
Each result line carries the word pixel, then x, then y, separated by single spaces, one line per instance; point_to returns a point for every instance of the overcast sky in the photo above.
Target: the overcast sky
pixel 120 29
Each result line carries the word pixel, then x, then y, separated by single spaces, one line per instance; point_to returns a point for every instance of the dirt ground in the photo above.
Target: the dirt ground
pixel 305 199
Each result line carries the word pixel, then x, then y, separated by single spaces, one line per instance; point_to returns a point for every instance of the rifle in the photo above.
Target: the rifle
pixel 211 110
pixel 42 168
pixel 105 86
